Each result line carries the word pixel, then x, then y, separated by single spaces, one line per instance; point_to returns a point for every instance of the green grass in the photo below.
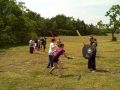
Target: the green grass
pixel 20 70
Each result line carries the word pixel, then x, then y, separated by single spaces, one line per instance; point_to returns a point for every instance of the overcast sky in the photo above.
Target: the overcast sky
pixel 91 11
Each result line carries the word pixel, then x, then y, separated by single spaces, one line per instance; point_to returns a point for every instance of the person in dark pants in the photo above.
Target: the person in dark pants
pixel 43 43
pixel 50 53
pixel 92 59
pixel 31 44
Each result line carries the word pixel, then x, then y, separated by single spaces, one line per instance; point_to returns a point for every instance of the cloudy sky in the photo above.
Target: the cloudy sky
pixel 91 11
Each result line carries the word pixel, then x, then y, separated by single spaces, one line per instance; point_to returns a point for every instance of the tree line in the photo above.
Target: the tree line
pixel 18 24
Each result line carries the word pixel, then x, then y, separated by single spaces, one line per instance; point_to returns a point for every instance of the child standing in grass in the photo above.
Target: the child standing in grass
pixel 56 62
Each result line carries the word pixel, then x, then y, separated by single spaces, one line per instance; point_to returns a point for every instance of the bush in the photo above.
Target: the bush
pixel 6 40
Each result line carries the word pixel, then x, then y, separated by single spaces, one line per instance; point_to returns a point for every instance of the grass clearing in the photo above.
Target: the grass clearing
pixel 20 70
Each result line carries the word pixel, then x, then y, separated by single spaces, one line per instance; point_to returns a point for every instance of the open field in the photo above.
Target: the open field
pixel 20 70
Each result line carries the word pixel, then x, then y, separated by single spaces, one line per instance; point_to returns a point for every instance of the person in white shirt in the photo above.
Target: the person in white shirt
pixel 50 53
pixel 31 44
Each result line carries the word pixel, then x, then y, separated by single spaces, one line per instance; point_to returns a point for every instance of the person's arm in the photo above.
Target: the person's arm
pixel 54 50
pixel 66 56
pixel 94 45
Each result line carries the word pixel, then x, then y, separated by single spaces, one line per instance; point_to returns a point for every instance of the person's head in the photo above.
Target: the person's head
pixel 91 38
pixel 53 40
pixel 95 39
pixel 61 45
pixel 59 41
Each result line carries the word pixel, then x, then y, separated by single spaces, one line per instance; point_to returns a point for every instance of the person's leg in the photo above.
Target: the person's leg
pixel 89 63
pixel 41 46
pixel 53 68
pixel 51 60
pixel 93 63
pixel 60 68
pixel 44 47
pixel 31 50
pixel 48 61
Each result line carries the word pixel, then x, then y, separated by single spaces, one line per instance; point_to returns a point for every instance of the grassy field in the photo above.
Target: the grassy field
pixel 20 70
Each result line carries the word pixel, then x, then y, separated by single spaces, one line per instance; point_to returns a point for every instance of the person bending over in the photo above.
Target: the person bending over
pixel 56 62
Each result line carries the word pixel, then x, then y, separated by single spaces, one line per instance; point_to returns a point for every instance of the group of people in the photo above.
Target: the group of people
pixel 37 45
pixel 56 49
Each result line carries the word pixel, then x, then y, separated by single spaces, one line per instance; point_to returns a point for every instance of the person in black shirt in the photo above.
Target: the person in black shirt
pixel 92 59
pixel 43 43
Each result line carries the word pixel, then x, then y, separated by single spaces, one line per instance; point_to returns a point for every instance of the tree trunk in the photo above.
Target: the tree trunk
pixel 113 37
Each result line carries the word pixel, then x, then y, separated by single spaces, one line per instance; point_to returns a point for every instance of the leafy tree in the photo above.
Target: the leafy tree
pixel 114 23
pixel 102 28
pixel 61 21
pixel 18 24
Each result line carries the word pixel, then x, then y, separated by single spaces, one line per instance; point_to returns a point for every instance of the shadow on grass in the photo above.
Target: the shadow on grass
pixel 2 51
pixel 36 53
pixel 100 57
pixel 73 75
pixel 70 75
pixel 102 71
pixel 1 71
pixel 65 76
